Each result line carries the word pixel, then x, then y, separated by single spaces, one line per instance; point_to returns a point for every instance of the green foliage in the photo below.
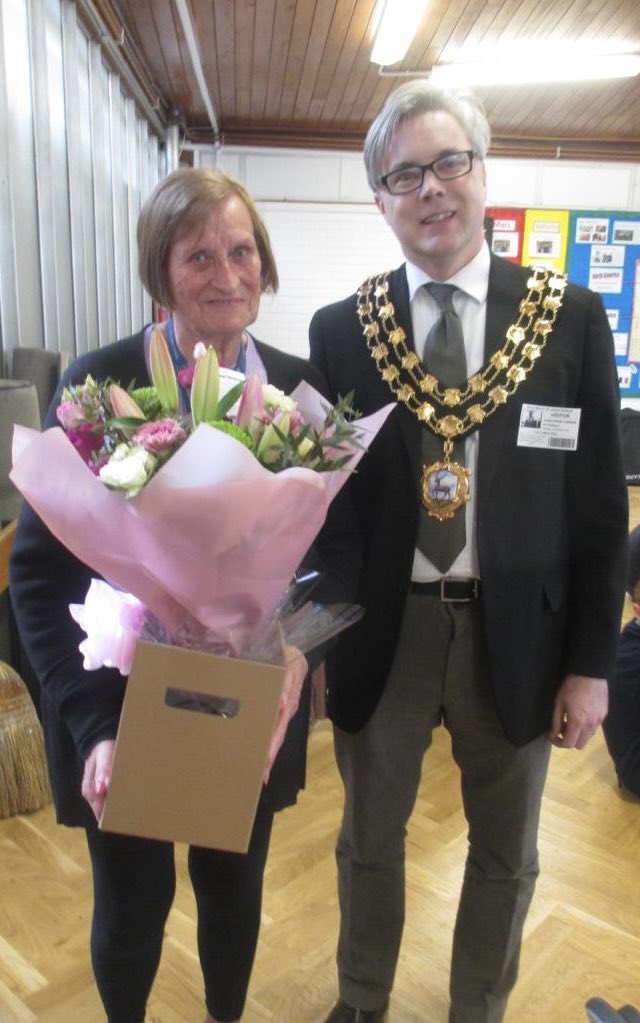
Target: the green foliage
pixel 330 448
pixel 234 431
pixel 148 400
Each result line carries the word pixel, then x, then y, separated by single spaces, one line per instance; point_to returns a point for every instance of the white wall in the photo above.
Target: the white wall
pixel 328 236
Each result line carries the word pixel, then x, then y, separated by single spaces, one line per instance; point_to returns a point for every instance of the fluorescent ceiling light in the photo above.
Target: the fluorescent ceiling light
pixel 397 26
pixel 544 66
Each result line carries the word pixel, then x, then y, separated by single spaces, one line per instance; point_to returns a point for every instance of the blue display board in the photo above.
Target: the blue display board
pixel 604 255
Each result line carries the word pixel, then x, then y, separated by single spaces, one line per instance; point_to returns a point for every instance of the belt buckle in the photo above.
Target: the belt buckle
pixel 457 600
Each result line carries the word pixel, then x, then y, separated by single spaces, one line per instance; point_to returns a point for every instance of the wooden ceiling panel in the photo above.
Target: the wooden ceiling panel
pixel 262 56
pixel 315 47
pixel 308 34
pixel 489 23
pixel 435 34
pixel 282 29
pixel 245 30
pixel 348 76
pixel 210 24
pixel 347 25
pixel 297 72
pixel 504 14
pixel 155 21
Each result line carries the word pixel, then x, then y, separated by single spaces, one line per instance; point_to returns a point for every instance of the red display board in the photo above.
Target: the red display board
pixel 506 232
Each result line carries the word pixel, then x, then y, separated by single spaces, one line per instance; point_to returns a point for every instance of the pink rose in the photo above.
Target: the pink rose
pixel 161 435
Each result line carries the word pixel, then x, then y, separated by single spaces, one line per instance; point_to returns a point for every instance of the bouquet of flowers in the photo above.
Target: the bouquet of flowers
pixel 200 520
pixel 126 437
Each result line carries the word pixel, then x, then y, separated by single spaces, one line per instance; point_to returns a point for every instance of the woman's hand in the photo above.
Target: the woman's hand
pixel 297 668
pixel 97 775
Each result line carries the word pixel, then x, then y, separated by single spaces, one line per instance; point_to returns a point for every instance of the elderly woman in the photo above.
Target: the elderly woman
pixel 205 255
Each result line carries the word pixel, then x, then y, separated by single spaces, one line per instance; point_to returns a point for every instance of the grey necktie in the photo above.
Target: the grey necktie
pixel 444 356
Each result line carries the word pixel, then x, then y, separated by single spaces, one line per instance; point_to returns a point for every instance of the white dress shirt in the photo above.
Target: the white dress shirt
pixel 471 305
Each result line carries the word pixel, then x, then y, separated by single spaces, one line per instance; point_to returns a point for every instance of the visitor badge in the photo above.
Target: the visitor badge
pixel 547 426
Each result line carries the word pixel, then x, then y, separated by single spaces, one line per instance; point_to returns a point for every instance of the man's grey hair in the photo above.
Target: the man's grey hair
pixel 421 96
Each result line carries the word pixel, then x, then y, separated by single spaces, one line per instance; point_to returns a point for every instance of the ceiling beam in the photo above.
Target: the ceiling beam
pixel 543 147
pixel 196 63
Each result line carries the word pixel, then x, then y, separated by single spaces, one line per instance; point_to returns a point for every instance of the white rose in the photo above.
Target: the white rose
pixel 128 469
pixel 277 399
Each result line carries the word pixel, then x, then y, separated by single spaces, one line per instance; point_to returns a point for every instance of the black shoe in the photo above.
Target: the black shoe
pixel 629 1013
pixel 599 1011
pixel 343 1013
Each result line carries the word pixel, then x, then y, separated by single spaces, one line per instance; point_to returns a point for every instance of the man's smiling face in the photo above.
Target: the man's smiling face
pixel 440 226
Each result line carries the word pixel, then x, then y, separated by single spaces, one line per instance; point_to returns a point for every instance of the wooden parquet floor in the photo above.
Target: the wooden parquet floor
pixel 582 936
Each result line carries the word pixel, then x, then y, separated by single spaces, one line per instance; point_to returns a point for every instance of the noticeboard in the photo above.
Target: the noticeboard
pixel 604 255
pixel 545 238
pixel 507 229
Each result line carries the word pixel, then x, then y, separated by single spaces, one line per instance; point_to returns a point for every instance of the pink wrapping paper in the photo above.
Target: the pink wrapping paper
pixel 214 534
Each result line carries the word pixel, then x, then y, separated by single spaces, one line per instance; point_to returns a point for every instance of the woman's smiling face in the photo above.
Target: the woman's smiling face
pixel 214 274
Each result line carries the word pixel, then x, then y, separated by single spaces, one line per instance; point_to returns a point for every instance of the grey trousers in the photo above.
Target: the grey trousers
pixel 439 675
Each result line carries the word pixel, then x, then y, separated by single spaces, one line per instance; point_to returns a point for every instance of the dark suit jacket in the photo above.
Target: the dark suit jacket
pixel 552 525
pixel 81 708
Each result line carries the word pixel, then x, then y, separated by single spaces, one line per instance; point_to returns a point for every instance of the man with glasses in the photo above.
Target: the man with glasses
pixel 493 520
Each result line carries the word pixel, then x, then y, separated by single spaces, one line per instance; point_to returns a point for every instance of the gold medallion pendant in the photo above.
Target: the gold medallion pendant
pixel 445 488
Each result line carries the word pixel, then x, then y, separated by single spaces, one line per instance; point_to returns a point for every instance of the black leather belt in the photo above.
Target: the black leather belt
pixel 450 590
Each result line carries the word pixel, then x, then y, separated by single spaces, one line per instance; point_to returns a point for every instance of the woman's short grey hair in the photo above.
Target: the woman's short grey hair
pixel 420 96
pixel 178 206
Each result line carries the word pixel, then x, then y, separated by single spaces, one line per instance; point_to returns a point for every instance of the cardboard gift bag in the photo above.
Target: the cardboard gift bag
pixel 192 746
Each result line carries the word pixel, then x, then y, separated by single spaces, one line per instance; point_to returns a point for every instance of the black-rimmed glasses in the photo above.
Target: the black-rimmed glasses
pixel 408 179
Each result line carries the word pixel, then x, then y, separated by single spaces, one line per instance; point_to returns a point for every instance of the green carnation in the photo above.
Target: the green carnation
pixel 149 402
pixel 234 431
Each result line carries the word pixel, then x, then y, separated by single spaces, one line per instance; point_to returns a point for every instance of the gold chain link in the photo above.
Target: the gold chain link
pixel 483 392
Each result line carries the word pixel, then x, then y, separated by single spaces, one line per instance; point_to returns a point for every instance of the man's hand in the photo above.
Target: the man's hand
pixel 580 708
pixel 97 775
pixel 297 668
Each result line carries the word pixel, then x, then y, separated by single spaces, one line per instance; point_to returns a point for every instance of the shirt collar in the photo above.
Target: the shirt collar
pixel 473 278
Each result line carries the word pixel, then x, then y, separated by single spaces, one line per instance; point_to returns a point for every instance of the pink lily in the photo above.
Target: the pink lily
pixel 123 404
pixel 251 410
